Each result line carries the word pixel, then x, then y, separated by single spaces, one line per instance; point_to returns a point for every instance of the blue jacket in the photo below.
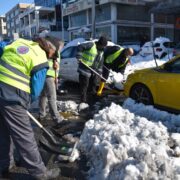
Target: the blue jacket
pixel 2 45
pixel 37 83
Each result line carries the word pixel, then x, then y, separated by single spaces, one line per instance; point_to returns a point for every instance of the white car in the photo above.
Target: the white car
pixel 69 64
pixel 162 46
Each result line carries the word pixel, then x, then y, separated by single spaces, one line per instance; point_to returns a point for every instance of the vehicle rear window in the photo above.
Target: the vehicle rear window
pixel 157 45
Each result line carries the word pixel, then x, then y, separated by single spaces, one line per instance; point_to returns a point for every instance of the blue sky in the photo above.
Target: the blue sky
pixel 6 5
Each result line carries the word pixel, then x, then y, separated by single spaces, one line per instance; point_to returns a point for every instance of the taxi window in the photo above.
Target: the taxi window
pixel 175 66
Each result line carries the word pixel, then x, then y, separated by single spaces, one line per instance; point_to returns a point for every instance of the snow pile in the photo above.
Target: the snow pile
pixel 122 145
pixel 67 106
pixel 83 106
pixel 169 120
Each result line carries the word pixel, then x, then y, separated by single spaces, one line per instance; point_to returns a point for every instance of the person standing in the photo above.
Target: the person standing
pixel 115 58
pixel 49 91
pixel 89 55
pixel 23 67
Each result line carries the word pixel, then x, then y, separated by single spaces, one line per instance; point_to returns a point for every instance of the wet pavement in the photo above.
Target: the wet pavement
pixel 68 133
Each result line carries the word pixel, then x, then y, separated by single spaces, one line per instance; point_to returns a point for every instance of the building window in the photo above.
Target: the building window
pixel 4 19
pixel 165 32
pixel 104 31
pixel 78 19
pixel 102 13
pixel 33 30
pixel 131 34
pixel 160 18
pixel 16 12
pixel 133 13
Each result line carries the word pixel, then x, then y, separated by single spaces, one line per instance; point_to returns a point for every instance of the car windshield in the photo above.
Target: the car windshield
pixel 173 66
pixel 69 52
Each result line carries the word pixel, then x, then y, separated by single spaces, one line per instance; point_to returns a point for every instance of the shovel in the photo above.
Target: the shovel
pixel 55 146
pixel 109 87
pixel 48 133
pixel 95 72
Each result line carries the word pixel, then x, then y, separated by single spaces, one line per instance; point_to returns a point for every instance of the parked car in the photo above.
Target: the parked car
pixel 176 50
pixel 69 64
pixel 162 47
pixel 159 86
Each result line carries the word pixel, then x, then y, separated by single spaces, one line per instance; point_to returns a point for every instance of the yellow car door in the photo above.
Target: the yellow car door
pixel 168 85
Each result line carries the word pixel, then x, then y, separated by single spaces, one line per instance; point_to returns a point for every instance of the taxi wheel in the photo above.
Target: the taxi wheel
pixel 141 94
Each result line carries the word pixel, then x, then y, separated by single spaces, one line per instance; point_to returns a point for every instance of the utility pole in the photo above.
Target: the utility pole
pixel 62 21
pixel 93 19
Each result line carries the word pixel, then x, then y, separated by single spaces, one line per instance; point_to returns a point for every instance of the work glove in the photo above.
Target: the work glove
pixel 55 65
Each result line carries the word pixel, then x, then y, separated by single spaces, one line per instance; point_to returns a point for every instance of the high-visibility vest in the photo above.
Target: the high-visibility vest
pixel 88 56
pixel 51 71
pixel 19 60
pixel 114 56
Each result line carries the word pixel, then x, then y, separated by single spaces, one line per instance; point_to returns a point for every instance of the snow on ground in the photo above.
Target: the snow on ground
pixel 132 142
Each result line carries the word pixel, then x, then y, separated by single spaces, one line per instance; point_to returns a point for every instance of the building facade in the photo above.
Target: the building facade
pixel 61 22
pixel 35 18
pixel 3 30
pixel 120 20
pixel 13 22
pixel 47 3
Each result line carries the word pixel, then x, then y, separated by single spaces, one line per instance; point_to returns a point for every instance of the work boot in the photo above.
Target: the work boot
pixel 49 174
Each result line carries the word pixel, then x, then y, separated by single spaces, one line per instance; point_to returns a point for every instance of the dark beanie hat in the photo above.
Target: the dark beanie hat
pixel 55 41
pixel 102 41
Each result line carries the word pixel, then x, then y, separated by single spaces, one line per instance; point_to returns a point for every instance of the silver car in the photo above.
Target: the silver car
pixel 69 63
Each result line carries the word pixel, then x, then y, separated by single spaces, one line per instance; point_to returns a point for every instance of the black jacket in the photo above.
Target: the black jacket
pixel 114 66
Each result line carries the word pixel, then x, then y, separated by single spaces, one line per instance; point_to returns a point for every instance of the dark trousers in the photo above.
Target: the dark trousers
pixel 87 84
pixel 15 128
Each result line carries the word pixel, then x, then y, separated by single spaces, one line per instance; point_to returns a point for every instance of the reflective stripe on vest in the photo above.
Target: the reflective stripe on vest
pixel 12 76
pixel 121 65
pixel 51 71
pixel 89 56
pixel 113 56
pixel 19 59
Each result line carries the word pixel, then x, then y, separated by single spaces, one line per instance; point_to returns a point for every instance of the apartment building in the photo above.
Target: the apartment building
pixel 36 17
pixel 61 23
pixel 3 30
pixel 120 20
pixel 13 22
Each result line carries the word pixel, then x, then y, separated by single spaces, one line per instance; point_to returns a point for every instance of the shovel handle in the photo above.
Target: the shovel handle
pixel 41 126
pixel 93 71
pixel 34 119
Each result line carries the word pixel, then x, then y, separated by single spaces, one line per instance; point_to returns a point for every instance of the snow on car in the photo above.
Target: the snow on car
pixel 162 47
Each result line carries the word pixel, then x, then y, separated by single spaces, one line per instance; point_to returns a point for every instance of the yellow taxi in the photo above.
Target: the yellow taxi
pixel 159 86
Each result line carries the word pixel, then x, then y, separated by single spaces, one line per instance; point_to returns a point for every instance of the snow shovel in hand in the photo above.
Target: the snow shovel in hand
pixel 49 134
